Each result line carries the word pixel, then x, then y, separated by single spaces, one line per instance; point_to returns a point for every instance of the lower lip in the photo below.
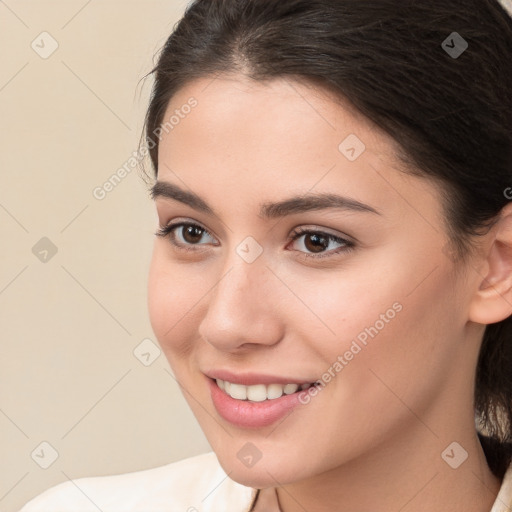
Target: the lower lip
pixel 244 413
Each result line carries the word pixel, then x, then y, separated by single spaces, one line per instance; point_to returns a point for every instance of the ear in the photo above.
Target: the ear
pixel 492 301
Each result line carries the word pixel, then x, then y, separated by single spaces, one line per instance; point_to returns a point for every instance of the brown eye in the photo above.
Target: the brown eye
pixel 192 234
pixel 315 243
pixel 184 234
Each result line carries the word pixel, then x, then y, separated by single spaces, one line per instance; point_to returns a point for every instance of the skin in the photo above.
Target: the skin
pixel 383 422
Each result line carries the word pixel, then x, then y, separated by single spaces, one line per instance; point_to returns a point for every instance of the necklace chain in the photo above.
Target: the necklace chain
pixel 278 502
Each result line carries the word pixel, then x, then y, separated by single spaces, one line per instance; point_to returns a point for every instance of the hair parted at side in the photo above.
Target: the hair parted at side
pixel 451 117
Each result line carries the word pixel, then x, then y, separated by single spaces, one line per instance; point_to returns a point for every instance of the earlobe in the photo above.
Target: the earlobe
pixel 492 301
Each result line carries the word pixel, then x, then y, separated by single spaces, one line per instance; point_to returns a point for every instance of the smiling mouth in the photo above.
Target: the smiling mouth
pixel 260 392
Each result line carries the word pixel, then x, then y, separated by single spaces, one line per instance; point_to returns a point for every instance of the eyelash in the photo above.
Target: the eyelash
pixel 167 231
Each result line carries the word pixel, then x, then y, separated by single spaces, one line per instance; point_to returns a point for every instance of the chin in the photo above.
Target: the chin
pixel 257 476
pixel 266 472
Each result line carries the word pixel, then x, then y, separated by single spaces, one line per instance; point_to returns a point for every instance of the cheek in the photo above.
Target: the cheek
pixel 383 323
pixel 404 360
pixel 344 306
pixel 173 301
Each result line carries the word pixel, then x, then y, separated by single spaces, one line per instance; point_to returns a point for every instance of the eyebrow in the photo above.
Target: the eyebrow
pixel 268 210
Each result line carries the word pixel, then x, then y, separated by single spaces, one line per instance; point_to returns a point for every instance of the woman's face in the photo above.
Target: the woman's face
pixel 365 301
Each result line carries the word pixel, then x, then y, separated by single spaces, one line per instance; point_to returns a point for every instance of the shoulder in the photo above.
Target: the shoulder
pixel 195 484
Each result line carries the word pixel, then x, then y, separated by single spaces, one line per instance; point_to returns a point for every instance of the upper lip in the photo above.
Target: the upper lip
pixel 250 379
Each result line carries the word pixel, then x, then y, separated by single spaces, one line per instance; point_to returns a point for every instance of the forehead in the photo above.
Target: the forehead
pixel 267 139
pixel 279 121
pixel 294 106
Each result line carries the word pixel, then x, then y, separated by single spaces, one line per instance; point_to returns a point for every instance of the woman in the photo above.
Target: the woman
pixel 332 273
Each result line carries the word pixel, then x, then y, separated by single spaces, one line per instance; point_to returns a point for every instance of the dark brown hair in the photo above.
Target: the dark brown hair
pixel 450 115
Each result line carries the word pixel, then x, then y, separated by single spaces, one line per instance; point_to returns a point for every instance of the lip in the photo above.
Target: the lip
pixel 250 379
pixel 248 414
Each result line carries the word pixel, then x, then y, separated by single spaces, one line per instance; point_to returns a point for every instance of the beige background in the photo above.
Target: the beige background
pixel 70 324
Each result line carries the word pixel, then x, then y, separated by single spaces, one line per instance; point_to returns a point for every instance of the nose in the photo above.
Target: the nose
pixel 242 309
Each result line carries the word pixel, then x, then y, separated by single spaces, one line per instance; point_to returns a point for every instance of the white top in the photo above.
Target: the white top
pixel 507 4
pixel 196 484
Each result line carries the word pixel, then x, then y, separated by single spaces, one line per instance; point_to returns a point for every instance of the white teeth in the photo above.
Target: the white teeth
pixel 258 392
pixel 238 391
pixel 290 388
pixel 274 391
